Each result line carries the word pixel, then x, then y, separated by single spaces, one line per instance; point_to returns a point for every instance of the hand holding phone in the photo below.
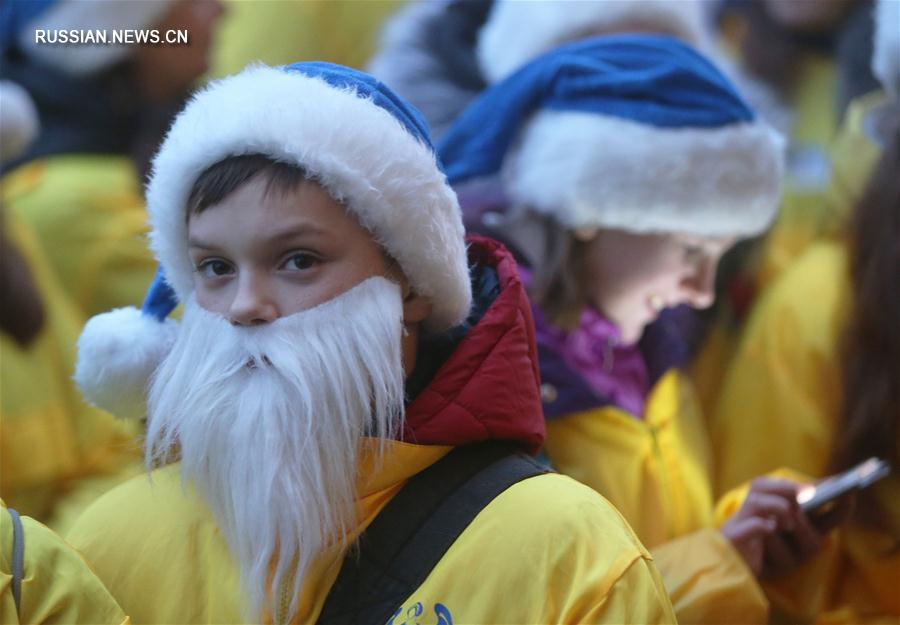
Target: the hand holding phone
pixel 817 500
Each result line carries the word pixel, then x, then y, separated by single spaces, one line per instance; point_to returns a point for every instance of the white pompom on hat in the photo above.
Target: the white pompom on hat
pixel 367 147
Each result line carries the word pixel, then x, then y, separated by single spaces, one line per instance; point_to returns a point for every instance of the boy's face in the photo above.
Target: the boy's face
pixel 261 256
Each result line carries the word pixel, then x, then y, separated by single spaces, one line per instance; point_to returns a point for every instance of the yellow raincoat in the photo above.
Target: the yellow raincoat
pixel 803 212
pixel 656 471
pixel 779 407
pixel 853 155
pixel 548 550
pixel 57 585
pixel 56 452
pixel 804 218
pixel 88 215
pixel 287 31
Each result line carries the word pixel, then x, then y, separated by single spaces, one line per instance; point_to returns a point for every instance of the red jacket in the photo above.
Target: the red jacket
pixel 489 387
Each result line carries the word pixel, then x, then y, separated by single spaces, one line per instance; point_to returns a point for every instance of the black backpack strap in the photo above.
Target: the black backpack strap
pixel 413 532
pixel 18 558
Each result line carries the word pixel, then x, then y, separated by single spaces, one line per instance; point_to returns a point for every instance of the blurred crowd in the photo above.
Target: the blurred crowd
pixel 713 279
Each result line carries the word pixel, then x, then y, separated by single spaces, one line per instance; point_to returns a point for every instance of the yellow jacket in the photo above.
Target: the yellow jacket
pixel 548 550
pixel 56 452
pixel 656 471
pixel 803 220
pixel 853 156
pixel 279 33
pixel 803 211
pixel 88 214
pixel 57 585
pixel 779 407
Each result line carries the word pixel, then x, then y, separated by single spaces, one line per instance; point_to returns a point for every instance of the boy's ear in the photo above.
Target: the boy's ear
pixel 416 308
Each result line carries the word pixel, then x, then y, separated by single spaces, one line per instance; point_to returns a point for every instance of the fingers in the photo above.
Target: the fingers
pixel 778 557
pixel 774 486
pixel 805 538
pixel 749 528
pixel 775 506
pixel 840 510
pixel 746 536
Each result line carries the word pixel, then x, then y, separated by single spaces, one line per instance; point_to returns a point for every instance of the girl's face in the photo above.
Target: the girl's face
pixel 631 277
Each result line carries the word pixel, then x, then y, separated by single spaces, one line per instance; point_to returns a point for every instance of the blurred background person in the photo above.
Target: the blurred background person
pixel 44 580
pixel 815 384
pixel 103 109
pixel 287 31
pixel 624 191
pixel 801 63
pixel 56 452
pixel 75 222
pixel 441 54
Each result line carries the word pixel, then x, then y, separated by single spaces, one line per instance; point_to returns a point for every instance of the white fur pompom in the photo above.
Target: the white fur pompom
pixel 118 351
pixel 19 124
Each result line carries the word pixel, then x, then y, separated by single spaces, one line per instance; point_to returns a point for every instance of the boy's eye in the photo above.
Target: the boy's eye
pixel 214 268
pixel 301 262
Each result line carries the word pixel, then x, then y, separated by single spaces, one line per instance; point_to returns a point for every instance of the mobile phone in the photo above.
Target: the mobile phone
pixel 814 497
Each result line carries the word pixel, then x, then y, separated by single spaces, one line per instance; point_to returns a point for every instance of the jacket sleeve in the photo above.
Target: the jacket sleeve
pixel 117 266
pixel 57 585
pixel 638 596
pixel 709 582
pixel 801 594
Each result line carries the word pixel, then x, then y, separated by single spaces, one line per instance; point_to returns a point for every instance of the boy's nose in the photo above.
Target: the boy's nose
pixel 252 303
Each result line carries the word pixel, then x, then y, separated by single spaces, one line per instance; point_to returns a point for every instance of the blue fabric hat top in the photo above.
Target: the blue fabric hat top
pixel 368 87
pixel 649 79
pixel 161 299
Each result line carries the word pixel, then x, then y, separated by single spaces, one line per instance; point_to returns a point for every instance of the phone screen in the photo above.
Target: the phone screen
pixel 814 496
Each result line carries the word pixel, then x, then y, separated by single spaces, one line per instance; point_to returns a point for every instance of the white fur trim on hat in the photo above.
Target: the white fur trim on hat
pixel 358 151
pixel 517 32
pixel 886 54
pixel 590 170
pixel 19 123
pixel 118 351
pixel 89 18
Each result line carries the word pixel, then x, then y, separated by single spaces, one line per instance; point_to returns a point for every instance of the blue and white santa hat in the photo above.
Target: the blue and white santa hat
pixel 632 132
pixel 365 145
pixel 517 32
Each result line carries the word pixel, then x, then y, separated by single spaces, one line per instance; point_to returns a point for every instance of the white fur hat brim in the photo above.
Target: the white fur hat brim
pixel 590 170
pixel 886 53
pixel 358 151
pixel 517 31
pixel 89 19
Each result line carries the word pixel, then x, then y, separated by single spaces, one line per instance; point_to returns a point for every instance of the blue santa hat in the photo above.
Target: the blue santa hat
pixel 633 132
pixel 365 145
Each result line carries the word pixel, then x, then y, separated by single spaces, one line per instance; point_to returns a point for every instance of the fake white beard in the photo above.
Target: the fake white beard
pixel 267 421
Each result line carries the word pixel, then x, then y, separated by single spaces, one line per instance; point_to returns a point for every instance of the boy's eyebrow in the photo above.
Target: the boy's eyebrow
pixel 288 232
pixel 293 230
